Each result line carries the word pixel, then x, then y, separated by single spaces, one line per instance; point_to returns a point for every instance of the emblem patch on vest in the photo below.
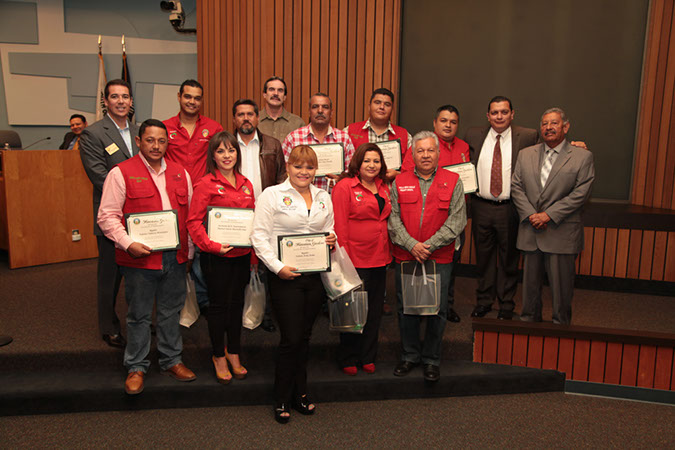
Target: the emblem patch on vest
pixel 138 179
pixel 205 132
pixel 172 134
pixel 246 190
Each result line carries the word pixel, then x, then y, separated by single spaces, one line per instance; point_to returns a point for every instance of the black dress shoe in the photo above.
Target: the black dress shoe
pixel 505 315
pixel 302 404
pixel 404 367
pixel 268 325
pixel 480 311
pixel 280 409
pixel 115 340
pixel 432 373
pixel 452 316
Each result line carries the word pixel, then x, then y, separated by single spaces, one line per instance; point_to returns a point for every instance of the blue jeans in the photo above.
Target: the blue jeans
pixel 429 351
pixel 201 291
pixel 142 287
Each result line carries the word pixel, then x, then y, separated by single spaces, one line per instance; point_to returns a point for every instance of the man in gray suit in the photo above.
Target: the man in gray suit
pixel 494 221
pixel 551 183
pixel 103 145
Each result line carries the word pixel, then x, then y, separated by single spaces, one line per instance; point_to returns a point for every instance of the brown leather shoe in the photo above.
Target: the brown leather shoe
pixel 180 372
pixel 134 383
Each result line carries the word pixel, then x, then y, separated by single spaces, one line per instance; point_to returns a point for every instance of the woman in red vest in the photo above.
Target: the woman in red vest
pixel 226 269
pixel 361 204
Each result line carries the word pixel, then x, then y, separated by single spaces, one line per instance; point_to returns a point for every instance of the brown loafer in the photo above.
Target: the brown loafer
pixel 180 372
pixel 134 383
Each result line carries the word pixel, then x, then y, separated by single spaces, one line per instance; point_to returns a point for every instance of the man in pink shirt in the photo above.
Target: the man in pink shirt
pixel 147 183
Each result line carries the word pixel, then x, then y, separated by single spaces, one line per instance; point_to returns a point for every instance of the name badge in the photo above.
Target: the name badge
pixel 112 148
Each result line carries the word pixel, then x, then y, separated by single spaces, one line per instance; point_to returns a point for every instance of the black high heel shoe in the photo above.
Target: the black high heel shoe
pixel 280 409
pixel 301 404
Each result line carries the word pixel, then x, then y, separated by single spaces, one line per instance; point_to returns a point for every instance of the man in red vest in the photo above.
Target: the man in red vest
pixel 427 214
pixel 147 183
pixel 378 127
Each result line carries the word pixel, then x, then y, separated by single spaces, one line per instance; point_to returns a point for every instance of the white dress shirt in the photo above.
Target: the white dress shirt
pixel 126 136
pixel 484 167
pixel 281 210
pixel 250 162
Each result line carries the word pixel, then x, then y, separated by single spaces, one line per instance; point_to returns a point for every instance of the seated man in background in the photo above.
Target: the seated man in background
pixel 72 138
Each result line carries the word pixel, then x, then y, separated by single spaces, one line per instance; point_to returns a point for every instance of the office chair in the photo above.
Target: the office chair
pixel 11 137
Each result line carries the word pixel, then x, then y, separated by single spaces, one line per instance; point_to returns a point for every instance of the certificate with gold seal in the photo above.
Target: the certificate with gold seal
pixel 232 226
pixel 308 253
pixel 156 229
pixel 391 150
pixel 331 158
pixel 467 173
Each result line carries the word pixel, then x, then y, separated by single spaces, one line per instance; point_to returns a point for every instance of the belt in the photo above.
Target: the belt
pixel 494 202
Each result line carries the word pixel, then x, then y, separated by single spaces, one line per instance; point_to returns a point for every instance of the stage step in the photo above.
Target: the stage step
pixel 23 393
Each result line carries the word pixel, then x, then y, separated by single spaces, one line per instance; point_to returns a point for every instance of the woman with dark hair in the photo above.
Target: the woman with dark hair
pixel 295 206
pixel 226 269
pixel 362 207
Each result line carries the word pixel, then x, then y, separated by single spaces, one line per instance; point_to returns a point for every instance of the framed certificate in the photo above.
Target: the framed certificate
pixel 391 150
pixel 231 226
pixel 467 173
pixel 331 158
pixel 156 229
pixel 308 253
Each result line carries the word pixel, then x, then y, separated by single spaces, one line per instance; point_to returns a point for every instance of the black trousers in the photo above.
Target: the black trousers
pixel 362 348
pixel 495 231
pixel 296 303
pixel 108 278
pixel 226 280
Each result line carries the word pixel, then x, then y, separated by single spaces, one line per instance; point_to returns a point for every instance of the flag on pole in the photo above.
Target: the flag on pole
pixel 126 77
pixel 100 87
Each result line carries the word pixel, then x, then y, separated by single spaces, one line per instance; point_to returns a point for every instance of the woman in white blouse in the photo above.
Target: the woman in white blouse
pixel 295 206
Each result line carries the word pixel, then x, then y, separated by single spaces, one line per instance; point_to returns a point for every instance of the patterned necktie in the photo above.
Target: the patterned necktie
pixel 496 171
pixel 546 168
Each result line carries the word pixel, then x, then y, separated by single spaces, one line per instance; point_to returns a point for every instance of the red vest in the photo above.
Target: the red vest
pixel 360 136
pixel 143 196
pixel 436 210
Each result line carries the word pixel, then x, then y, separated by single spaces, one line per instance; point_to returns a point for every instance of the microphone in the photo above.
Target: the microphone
pixel 37 142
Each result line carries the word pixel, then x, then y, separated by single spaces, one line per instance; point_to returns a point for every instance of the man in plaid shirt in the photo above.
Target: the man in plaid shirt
pixel 319 131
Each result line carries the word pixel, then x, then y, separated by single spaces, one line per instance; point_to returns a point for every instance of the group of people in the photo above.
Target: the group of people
pixel 529 196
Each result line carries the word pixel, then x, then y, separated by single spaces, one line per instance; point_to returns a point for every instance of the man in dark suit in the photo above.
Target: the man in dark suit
pixel 494 150
pixel 71 140
pixel 551 183
pixel 103 145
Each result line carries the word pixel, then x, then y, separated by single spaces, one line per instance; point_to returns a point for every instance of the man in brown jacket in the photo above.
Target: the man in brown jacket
pixel 262 160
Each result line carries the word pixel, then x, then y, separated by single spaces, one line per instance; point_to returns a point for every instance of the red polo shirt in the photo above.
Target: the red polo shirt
pixel 360 226
pixel 455 153
pixel 190 151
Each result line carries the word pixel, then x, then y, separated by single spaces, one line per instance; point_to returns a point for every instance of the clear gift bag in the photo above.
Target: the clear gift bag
pixel 190 312
pixel 420 288
pixel 348 313
pixel 342 277
pixel 254 302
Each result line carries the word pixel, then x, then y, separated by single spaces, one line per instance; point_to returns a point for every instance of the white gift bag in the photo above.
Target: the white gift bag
pixel 342 277
pixel 254 302
pixel 190 312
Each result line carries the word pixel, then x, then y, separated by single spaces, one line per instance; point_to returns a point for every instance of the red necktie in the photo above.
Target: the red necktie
pixel 496 172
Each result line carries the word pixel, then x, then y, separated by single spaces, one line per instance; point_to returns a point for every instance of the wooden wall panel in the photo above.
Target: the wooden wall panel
pixel 343 48
pixel 655 150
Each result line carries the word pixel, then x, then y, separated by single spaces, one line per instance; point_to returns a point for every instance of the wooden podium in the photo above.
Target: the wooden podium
pixel 44 197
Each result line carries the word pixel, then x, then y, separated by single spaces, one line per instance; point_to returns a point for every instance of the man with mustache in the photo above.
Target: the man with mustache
pixel 262 162
pixel 275 120
pixel 319 131
pixel 551 183
pixel 189 135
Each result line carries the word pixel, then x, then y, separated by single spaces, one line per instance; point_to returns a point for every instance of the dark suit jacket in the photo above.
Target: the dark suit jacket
pixel 98 161
pixel 567 188
pixel 67 139
pixel 520 138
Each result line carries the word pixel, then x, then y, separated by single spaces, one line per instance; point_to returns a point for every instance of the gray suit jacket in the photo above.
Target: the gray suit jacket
pixel 97 161
pixel 567 188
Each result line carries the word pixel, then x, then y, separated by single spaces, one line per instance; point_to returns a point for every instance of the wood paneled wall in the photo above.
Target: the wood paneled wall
pixel 618 253
pixel 344 48
pixel 654 164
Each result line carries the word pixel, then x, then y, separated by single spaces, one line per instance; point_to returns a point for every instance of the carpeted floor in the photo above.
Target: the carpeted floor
pixel 552 420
